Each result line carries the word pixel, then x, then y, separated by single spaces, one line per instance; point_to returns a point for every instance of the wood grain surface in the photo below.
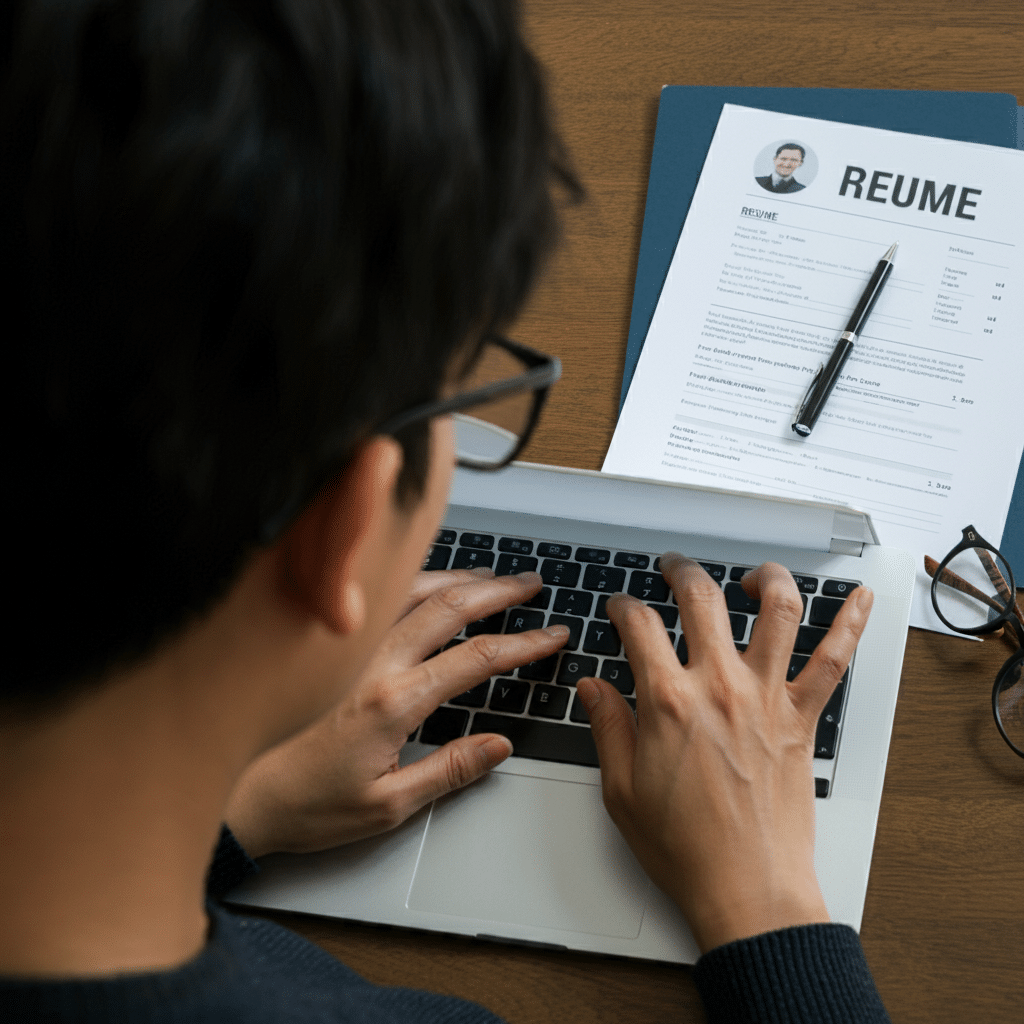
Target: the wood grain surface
pixel 944 923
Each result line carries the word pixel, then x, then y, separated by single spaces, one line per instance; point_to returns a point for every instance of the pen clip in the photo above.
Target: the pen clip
pixel 807 395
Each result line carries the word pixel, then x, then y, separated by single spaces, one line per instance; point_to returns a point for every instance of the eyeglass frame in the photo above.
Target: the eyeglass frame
pixel 543 370
pixel 1009 615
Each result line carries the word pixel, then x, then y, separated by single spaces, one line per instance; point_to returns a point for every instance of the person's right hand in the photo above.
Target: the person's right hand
pixel 712 784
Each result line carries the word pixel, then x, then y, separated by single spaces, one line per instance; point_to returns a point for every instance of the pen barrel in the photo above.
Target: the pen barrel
pixel 869 297
pixel 827 381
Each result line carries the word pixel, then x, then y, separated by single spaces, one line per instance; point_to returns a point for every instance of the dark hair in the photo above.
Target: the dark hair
pixel 236 236
pixel 792 145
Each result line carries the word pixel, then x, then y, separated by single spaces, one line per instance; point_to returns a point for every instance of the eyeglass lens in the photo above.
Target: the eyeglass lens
pixel 1008 701
pixel 489 432
pixel 973 590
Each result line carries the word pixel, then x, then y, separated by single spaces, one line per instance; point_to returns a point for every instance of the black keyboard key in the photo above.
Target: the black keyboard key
pixel 443 725
pixel 560 574
pixel 648 586
pixel 603 577
pixel 714 570
pixel 515 546
pixel 492 624
pixel 601 611
pixel 475 698
pixel 681 652
pixel 598 555
pixel 837 588
pixel 821 788
pixel 575 667
pixel 806 584
pixel 578 713
pixel 602 638
pixel 542 671
pixel 520 620
pixel 549 701
pixel 736 600
pixel 508 695
pixel 573 602
pixel 509 565
pixel 739 625
pixel 619 674
pixel 438 558
pixel 554 550
pixel 446 537
pixel 668 612
pixel 796 664
pixel 630 561
pixel 575 629
pixel 807 638
pixel 825 737
pixel 824 610
pixel 477 540
pixel 834 708
pixel 539 600
pixel 737 572
pixel 544 741
pixel 471 558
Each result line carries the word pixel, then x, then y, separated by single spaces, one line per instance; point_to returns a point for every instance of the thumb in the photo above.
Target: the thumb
pixel 456 764
pixel 614 730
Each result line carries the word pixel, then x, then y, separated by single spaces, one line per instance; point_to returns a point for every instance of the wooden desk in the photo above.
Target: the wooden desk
pixel 944 923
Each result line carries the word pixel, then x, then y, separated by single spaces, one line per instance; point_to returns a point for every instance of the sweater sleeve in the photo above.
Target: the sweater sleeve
pixel 230 865
pixel 814 974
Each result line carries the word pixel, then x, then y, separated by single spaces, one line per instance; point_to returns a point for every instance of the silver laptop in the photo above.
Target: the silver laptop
pixel 529 854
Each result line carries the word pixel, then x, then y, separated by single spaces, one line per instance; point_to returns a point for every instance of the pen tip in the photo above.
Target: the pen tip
pixel 892 251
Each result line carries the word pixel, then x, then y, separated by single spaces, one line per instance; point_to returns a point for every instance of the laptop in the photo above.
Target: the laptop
pixel 529 855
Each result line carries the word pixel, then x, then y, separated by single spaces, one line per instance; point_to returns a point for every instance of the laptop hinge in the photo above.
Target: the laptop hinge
pixel 846 547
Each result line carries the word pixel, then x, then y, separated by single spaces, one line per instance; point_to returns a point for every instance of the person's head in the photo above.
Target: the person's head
pixel 237 238
pixel 788 158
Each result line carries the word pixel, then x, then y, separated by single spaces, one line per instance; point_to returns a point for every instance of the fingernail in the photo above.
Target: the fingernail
pixel 558 631
pixel 590 693
pixel 528 577
pixel 495 749
pixel 864 596
pixel 671 557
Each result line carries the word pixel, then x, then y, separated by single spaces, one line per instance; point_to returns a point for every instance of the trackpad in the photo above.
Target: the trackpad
pixel 530 852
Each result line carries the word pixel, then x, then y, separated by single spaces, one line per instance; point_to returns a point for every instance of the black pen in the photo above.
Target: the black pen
pixel 825 379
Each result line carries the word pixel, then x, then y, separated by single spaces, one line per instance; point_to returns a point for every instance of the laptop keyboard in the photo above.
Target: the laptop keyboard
pixel 537 707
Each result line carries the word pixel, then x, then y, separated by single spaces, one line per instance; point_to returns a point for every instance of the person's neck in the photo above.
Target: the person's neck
pixel 113 804
pixel 103 860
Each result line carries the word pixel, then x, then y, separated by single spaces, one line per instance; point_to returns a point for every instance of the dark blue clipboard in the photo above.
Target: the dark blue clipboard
pixel 687 118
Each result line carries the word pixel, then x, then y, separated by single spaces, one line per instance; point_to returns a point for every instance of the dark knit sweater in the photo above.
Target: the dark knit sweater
pixel 254 971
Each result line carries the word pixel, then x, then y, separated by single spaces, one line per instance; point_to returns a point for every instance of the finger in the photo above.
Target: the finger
pixel 703 617
pixel 426 583
pixel 811 689
pixel 614 730
pixel 449 608
pixel 777 622
pixel 648 648
pixel 462 667
pixel 451 767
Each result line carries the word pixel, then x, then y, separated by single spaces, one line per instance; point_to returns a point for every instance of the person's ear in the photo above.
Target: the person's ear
pixel 343 536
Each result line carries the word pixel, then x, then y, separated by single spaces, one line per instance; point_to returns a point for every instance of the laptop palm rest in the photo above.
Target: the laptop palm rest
pixel 531 852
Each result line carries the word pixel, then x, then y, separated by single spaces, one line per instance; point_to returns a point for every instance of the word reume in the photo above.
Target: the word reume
pixel 930 196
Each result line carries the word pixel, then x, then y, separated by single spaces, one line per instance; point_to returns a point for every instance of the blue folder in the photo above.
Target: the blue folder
pixel 687 118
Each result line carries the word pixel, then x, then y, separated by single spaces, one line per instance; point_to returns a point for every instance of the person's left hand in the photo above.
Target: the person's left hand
pixel 339 780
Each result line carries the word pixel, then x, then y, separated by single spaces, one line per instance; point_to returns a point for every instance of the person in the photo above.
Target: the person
pixel 239 240
pixel 788 158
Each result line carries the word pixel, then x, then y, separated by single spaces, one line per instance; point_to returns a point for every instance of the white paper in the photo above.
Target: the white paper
pixel 923 429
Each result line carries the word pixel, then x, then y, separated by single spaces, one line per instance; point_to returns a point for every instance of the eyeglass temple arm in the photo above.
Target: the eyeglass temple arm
pixel 998 580
pixel 957 583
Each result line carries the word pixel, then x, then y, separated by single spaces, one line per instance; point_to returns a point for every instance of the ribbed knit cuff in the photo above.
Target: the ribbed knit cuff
pixel 815 974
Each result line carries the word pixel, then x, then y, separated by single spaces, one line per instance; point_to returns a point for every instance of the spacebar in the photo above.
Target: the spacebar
pixel 542 741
